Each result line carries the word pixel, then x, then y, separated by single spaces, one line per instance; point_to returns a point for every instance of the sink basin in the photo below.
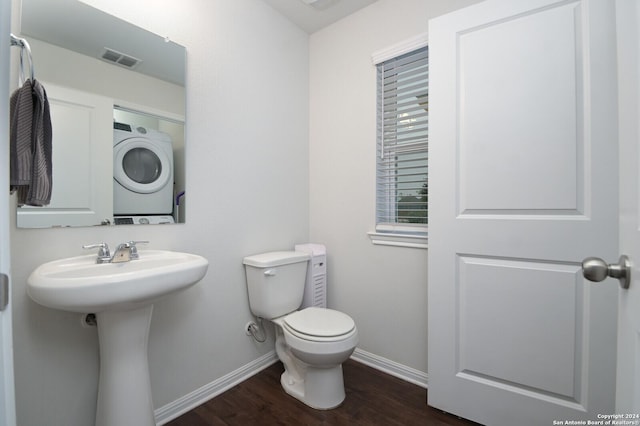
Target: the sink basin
pixel 122 296
pixel 79 284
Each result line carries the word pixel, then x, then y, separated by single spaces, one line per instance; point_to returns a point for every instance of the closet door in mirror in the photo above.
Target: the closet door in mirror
pixel 82 162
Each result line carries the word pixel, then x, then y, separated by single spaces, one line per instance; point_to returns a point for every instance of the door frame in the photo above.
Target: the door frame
pixel 628 47
pixel 7 387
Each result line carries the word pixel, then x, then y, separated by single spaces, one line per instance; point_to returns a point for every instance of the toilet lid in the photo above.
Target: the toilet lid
pixel 320 322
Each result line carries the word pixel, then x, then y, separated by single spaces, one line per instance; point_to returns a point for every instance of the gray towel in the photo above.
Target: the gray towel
pixel 30 144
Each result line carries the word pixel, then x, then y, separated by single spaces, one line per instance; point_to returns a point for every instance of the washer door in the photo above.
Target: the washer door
pixel 141 166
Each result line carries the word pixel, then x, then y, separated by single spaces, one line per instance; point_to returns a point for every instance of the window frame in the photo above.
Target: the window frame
pixel 396 234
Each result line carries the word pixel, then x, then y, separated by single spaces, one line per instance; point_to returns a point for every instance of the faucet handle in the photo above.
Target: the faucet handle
pixel 134 249
pixel 104 255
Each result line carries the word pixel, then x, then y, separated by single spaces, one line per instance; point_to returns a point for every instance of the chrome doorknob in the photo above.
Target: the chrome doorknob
pixel 596 269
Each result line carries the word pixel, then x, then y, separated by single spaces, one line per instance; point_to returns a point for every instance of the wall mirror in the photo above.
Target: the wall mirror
pixel 117 98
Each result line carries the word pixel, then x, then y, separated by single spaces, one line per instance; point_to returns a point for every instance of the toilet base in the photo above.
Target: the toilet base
pixel 321 388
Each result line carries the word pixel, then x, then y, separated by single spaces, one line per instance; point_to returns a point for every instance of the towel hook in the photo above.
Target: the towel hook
pixel 24 45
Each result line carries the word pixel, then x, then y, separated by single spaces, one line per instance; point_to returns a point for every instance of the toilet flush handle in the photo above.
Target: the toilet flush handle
pixel 270 272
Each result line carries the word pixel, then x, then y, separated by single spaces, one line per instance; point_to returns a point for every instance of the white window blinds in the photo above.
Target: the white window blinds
pixel 402 147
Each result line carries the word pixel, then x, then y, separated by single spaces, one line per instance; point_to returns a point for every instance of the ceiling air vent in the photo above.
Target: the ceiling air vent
pixel 118 58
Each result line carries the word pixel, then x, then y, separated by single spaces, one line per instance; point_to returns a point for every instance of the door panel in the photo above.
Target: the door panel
pixel 506 93
pixel 522 188
pixel 535 350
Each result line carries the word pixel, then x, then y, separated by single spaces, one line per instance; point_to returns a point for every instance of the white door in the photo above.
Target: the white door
pixel 7 393
pixel 523 186
pixel 628 385
pixel 82 127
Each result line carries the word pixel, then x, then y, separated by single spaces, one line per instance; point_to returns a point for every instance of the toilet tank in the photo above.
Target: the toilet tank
pixel 275 282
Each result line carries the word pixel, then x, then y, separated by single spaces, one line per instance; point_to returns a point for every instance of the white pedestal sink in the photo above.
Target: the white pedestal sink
pixel 121 295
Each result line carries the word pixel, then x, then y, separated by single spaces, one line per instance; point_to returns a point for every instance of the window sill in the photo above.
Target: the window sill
pixel 398 240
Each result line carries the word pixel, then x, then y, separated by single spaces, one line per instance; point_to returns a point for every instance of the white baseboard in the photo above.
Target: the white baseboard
pixel 190 401
pixel 393 368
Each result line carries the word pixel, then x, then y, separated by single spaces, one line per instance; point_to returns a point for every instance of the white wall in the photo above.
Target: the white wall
pixel 247 179
pixel 383 288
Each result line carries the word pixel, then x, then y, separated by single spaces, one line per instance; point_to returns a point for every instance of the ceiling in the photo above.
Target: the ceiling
pixel 312 19
pixel 79 27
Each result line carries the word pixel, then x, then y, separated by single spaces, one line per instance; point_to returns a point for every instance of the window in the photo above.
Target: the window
pixel 402 149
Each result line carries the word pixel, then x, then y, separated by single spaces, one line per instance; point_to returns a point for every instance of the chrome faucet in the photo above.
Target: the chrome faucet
pixel 124 252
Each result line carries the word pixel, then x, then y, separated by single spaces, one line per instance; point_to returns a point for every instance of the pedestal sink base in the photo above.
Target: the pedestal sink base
pixel 122 296
pixel 124 389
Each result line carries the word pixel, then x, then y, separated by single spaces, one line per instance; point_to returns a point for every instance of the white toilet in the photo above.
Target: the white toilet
pixel 311 343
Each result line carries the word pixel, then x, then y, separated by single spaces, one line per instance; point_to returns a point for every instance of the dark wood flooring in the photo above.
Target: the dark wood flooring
pixel 373 398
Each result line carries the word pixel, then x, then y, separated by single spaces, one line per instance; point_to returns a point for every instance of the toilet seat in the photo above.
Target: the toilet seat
pixel 319 324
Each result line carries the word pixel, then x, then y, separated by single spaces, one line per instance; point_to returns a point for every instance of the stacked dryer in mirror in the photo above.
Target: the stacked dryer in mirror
pixel 315 289
pixel 142 175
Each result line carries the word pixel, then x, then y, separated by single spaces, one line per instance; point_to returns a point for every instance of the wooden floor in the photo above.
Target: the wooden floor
pixel 373 398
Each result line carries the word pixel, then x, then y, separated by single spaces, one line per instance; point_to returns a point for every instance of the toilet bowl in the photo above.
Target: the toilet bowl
pixel 312 343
